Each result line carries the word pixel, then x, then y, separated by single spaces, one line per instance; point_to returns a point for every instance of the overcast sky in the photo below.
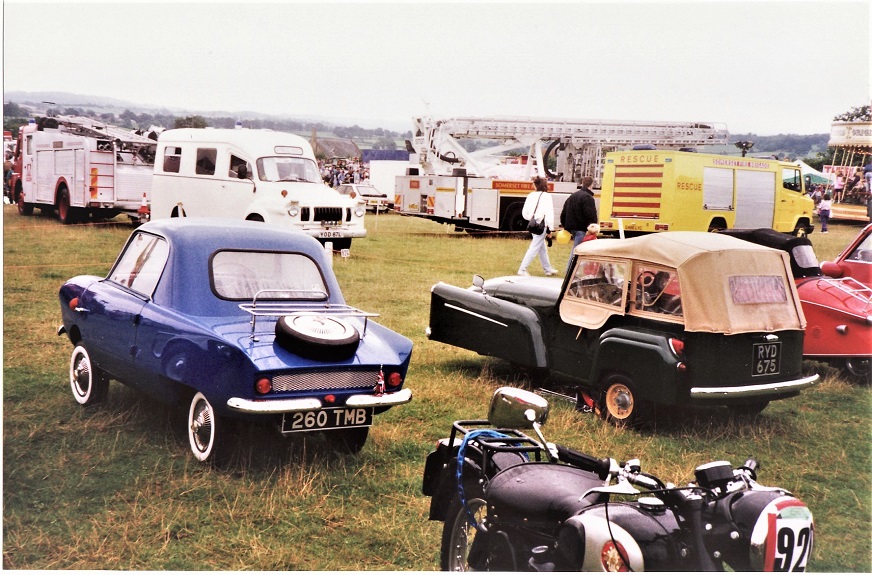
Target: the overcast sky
pixel 762 67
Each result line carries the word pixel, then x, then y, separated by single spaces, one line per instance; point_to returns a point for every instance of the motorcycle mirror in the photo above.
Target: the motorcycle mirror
pixel 517 409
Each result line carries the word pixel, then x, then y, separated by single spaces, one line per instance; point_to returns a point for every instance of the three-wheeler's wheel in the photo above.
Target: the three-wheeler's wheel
pixel 619 402
pixel 88 382
pixel 205 430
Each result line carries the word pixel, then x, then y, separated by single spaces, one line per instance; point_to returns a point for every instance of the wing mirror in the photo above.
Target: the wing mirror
pixel 478 283
pixel 832 269
pixel 515 408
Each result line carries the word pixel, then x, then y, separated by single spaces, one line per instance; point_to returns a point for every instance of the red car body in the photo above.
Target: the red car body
pixel 855 261
pixel 838 310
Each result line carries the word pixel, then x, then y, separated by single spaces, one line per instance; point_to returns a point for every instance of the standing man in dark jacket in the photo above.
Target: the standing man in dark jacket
pixel 579 211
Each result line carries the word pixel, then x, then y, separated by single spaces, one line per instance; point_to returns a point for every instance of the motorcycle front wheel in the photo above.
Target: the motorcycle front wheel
pixel 458 534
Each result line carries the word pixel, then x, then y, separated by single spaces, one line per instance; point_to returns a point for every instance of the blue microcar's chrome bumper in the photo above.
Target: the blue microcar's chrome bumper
pixel 311 404
pixel 763 389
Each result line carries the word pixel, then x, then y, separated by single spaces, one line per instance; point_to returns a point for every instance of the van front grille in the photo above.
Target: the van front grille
pixel 328 215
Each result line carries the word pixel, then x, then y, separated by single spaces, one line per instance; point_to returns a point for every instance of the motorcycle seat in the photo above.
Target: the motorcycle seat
pixel 541 492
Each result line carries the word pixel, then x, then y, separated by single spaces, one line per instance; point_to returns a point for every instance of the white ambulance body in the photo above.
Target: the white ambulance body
pixel 258 175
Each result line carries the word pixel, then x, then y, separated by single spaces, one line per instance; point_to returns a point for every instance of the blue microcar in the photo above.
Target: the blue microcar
pixel 238 320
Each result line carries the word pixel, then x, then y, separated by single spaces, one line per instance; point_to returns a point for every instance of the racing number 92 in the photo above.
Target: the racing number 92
pixel 788 543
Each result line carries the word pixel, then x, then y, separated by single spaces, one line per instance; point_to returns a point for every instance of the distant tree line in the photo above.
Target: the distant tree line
pixel 791 146
pixel 810 148
pixel 15 116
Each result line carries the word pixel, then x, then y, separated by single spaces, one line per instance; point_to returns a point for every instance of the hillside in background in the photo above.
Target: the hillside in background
pixel 378 135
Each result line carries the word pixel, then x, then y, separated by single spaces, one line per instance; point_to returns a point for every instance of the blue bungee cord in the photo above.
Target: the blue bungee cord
pixel 489 433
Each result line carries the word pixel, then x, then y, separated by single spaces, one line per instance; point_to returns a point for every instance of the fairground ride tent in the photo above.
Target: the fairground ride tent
pixel 816 177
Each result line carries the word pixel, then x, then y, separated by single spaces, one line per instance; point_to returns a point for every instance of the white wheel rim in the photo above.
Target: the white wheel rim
pixel 81 373
pixel 201 427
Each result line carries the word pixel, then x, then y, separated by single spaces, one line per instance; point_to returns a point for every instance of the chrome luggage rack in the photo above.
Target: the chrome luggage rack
pixel 852 289
pixel 276 309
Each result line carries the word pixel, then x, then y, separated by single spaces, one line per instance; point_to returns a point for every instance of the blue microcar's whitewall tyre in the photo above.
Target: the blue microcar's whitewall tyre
pixel 88 382
pixel 204 429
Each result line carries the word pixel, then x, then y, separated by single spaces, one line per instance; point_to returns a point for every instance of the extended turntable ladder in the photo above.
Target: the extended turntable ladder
pixel 437 142
pixel 672 134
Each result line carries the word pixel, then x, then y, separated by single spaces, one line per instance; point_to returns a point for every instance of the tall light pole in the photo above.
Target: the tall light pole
pixel 744 146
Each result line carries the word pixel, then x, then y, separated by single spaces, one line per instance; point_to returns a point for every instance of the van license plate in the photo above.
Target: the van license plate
pixel 766 359
pixel 330 235
pixel 326 419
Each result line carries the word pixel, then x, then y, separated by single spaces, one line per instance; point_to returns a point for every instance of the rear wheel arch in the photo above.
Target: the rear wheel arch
pixel 801 228
pixel 74 334
pixel 643 359
pixel 180 361
pixel 512 220
pixel 717 224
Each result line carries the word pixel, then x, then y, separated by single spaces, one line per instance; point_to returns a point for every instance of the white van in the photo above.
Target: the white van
pixel 258 175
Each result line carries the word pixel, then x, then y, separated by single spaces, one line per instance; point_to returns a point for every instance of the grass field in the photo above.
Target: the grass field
pixel 115 486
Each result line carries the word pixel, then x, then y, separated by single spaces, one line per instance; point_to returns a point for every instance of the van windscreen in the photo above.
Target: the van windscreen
pixel 285 169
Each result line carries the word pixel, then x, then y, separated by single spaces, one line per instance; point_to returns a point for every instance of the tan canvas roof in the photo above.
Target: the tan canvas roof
pixel 716 274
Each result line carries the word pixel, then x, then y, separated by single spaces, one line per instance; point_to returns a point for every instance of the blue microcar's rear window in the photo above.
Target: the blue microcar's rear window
pixel 240 275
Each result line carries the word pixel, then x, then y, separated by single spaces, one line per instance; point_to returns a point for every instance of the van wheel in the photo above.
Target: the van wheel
pixel 254 218
pixel 801 229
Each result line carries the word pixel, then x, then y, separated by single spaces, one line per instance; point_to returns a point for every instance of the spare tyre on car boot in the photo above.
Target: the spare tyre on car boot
pixel 320 337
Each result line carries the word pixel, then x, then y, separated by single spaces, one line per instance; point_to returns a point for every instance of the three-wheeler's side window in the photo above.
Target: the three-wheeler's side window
pixel 600 282
pixel 656 290
pixel 140 266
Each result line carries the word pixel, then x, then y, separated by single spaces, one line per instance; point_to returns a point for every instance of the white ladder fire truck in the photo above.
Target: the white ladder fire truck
pixel 82 168
pixel 479 190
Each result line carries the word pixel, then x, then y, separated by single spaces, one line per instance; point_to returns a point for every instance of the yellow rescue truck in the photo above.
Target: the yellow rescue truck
pixel 664 190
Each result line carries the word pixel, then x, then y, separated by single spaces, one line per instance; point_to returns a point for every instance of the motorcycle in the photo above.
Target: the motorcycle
pixel 512 502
